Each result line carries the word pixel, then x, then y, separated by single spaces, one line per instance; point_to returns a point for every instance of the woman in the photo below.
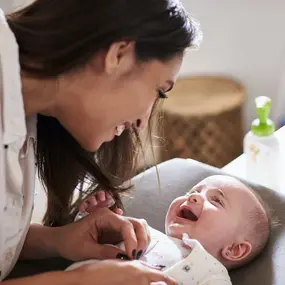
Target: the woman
pixel 80 79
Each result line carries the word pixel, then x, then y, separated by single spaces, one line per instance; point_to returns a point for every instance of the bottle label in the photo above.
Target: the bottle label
pixel 262 164
pixel 260 153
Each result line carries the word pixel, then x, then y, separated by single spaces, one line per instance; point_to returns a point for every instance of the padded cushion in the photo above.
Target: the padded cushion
pixel 179 175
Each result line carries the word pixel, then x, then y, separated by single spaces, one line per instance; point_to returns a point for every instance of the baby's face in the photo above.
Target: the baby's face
pixel 214 213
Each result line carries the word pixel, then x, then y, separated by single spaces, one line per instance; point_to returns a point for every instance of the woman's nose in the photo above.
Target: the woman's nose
pixel 138 123
pixel 141 123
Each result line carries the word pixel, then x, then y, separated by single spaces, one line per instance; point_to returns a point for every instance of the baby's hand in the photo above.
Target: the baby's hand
pixel 100 199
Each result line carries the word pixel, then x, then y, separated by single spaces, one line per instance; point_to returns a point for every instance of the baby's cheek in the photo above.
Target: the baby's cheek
pixel 171 213
pixel 215 238
pixel 174 206
pixel 168 226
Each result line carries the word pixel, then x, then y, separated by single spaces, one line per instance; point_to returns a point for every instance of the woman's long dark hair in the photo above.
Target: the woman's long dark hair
pixel 59 36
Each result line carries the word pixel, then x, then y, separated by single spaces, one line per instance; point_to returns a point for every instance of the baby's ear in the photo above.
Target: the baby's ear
pixel 237 252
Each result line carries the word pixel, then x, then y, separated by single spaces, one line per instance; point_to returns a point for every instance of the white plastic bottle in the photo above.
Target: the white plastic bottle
pixel 261 148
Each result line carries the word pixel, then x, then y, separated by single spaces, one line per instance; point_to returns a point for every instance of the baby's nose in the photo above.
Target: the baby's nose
pixel 196 199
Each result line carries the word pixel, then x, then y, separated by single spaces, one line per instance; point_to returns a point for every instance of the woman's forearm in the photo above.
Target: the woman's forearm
pixel 55 278
pixel 40 243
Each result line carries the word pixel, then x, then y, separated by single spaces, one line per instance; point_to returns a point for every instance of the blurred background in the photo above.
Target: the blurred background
pixel 241 57
pixel 244 39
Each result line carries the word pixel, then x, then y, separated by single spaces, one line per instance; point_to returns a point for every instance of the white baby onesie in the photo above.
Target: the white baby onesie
pixel 187 266
pixel 185 260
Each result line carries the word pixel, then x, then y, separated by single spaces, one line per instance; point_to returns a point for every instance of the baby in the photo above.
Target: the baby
pixel 220 224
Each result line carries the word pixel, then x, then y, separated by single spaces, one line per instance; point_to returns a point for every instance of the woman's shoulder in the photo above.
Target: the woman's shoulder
pixel 2 21
pixel 12 106
pixel 1 79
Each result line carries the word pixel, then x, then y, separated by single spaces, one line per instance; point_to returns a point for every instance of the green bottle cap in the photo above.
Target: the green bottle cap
pixel 263 126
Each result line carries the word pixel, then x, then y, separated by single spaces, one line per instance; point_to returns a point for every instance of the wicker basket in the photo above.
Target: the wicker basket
pixel 202 119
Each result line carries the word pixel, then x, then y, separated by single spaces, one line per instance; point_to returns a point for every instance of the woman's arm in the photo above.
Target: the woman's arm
pixel 60 277
pixel 40 243
pixel 108 272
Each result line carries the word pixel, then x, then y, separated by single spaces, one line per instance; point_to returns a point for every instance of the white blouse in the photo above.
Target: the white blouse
pixel 17 159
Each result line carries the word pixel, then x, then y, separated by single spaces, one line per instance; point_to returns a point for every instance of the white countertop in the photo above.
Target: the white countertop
pixel 237 167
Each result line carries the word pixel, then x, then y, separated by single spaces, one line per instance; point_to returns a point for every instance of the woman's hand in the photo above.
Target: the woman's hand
pixel 111 272
pixel 87 238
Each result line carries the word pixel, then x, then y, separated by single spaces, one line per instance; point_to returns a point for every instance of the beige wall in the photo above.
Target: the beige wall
pixel 11 5
pixel 245 39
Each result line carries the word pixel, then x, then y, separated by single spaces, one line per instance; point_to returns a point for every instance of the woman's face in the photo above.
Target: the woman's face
pixel 111 94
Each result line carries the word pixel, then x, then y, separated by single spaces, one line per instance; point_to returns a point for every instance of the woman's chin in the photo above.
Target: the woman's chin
pixel 91 146
pixel 110 139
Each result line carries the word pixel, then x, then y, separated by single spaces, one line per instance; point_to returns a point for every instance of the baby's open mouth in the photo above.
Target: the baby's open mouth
pixel 187 214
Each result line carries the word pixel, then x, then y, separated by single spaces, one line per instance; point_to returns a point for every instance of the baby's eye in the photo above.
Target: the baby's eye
pixel 217 200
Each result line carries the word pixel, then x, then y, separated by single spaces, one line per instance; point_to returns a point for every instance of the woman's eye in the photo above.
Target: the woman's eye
pixel 161 94
pixel 217 200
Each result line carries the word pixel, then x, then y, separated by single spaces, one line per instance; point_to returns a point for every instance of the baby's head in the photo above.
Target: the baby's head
pixel 225 216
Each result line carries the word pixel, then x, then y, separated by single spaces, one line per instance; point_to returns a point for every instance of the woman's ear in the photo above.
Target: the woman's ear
pixel 120 58
pixel 237 252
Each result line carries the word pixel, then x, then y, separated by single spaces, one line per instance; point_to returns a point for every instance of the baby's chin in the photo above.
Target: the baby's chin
pixel 173 230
